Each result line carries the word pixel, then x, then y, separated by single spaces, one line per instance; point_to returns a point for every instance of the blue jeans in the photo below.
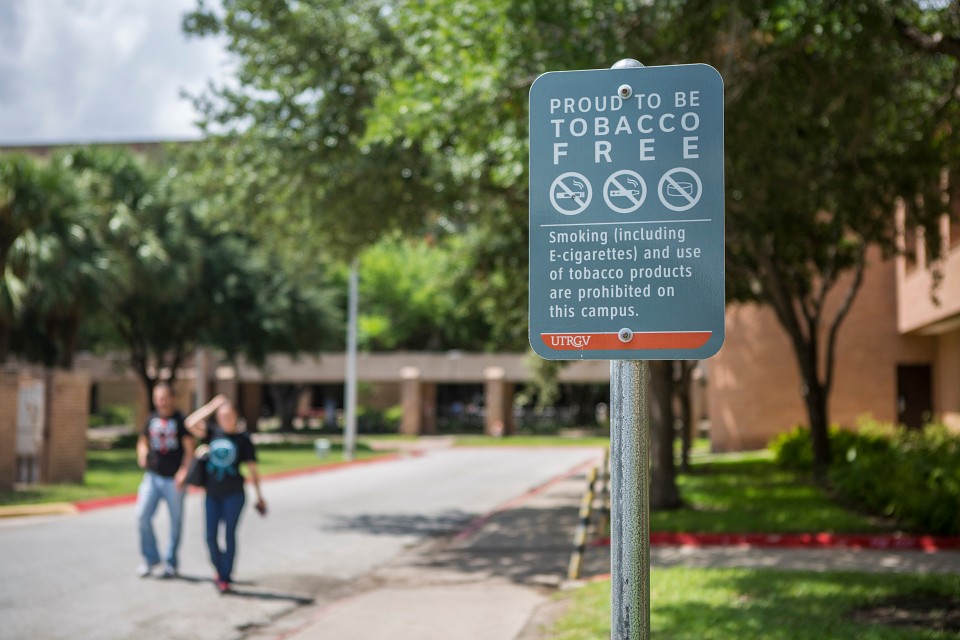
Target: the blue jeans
pixel 152 489
pixel 224 509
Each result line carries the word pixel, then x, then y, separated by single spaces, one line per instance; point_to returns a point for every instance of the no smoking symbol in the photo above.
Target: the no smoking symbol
pixel 680 189
pixel 570 193
pixel 624 191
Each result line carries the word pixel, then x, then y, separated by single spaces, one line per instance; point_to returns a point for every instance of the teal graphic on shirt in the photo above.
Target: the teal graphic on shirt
pixel 223 456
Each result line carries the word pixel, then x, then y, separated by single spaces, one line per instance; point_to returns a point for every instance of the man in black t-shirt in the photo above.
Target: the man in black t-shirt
pixel 164 450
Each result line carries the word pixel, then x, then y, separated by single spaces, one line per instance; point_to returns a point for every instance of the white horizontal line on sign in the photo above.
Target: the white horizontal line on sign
pixel 592 224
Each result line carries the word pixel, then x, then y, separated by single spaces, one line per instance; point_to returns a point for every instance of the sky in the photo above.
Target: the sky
pixel 76 71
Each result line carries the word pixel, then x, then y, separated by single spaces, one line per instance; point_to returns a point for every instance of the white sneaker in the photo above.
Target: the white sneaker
pixel 145 570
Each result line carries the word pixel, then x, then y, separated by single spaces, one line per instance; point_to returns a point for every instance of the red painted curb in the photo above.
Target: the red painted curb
pixel 886 542
pixel 101 503
pixel 116 501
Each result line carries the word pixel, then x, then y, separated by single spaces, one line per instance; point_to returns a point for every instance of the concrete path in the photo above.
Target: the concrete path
pixel 494 581
pixel 494 578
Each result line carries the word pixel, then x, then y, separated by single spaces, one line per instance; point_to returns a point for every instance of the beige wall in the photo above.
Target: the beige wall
pixel 946 382
pixel 923 308
pixel 66 442
pixel 9 390
pixel 754 389
pixel 63 457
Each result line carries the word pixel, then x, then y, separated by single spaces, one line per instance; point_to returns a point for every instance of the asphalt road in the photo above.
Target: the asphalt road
pixel 73 576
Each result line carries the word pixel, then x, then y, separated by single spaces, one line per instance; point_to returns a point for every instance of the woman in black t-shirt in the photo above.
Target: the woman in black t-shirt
pixel 226 448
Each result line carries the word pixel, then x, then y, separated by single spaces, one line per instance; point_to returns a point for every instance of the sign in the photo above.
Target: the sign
pixel 634 271
pixel 30 417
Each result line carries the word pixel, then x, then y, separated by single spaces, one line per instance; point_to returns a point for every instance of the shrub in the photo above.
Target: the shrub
pixel 912 476
pixel 393 417
pixel 114 414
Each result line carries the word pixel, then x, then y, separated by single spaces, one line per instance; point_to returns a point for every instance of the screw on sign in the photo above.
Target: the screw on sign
pixel 632 258
pixel 626 212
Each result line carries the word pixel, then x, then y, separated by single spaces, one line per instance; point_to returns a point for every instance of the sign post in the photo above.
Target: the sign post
pixel 627 260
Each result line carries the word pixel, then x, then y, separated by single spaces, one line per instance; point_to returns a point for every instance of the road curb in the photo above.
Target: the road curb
pixel 93 504
pixel 44 509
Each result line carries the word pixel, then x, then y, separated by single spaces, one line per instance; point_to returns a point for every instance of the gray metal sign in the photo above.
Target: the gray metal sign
pixel 627 214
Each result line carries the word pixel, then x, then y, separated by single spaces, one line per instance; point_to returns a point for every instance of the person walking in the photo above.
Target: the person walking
pixel 226 448
pixel 164 451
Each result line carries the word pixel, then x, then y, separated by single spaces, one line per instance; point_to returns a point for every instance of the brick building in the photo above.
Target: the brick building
pixel 898 356
pixel 897 360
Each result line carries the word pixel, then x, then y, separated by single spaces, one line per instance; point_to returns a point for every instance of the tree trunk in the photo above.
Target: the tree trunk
pixel 148 383
pixel 684 394
pixel 663 478
pixel 803 318
pixel 815 399
pixel 4 342
pixel 69 330
pixel 285 400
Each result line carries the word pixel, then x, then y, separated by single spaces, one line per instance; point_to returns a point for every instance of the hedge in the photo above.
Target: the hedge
pixel 912 476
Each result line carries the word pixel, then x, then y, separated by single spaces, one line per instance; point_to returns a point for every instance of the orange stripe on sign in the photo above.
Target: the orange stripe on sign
pixel 612 342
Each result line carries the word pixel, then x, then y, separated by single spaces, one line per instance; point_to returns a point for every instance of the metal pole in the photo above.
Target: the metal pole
pixel 630 500
pixel 350 428
pixel 629 491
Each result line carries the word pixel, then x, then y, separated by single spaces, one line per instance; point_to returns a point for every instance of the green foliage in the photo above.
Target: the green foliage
pixel 285 148
pixel 793 449
pixel 406 295
pixel 103 250
pixel 114 414
pixel 49 264
pixel 910 475
pixel 393 416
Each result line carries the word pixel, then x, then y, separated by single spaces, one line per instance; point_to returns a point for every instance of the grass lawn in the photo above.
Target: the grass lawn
pixel 720 604
pixel 114 472
pixel 748 493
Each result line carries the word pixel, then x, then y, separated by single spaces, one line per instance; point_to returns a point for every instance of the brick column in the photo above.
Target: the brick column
pixel 229 388
pixel 9 382
pixel 65 442
pixel 251 400
pixel 428 407
pixel 411 399
pixel 498 398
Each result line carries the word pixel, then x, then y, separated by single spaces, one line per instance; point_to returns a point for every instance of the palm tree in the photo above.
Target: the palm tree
pixel 30 192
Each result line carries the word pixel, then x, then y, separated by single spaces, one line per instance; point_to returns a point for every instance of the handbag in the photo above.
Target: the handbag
pixel 197 473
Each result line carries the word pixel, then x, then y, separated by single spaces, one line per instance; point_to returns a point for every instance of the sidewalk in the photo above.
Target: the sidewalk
pixel 494 580
pixel 483 584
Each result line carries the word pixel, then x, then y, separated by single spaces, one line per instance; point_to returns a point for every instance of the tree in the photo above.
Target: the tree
pixel 188 282
pixel 816 150
pixel 285 148
pixel 405 295
pixel 815 77
pixel 31 195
